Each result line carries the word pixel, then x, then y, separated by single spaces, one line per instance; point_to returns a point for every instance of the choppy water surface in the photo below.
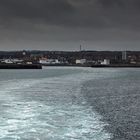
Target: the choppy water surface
pixel 51 104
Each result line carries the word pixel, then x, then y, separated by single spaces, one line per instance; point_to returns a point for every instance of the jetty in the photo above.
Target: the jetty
pixel 20 66
pixel 117 66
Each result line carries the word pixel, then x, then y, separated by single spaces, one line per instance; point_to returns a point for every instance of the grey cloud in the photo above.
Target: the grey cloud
pixel 99 22
pixel 88 13
pixel 44 10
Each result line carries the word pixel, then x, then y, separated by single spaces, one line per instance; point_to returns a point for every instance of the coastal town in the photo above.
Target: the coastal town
pixel 75 57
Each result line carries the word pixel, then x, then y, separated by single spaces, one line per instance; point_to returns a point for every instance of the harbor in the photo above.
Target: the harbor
pixel 94 59
pixel 69 69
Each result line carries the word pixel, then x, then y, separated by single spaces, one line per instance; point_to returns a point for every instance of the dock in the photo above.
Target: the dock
pixel 20 66
pixel 117 66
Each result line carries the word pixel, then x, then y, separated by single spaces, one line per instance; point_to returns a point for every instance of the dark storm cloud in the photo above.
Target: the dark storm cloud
pixel 34 8
pixel 122 3
pixel 44 10
pixel 99 22
pixel 98 13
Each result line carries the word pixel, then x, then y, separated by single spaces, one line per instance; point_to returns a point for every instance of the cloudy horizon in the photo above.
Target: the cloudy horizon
pixel 65 24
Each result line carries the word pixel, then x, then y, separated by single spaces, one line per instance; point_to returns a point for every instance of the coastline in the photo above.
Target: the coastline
pixel 39 66
pixel 117 66
pixel 96 66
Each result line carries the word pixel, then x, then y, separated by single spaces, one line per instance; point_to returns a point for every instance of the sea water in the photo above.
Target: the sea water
pixel 69 103
pixel 49 104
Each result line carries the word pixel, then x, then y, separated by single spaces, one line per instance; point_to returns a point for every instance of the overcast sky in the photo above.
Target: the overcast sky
pixel 65 24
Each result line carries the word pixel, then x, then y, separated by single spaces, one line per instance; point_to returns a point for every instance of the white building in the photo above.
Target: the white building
pixel 11 61
pixel 49 61
pixel 7 61
pixel 29 63
pixel 124 55
pixel 16 61
pixel 105 62
pixel 80 61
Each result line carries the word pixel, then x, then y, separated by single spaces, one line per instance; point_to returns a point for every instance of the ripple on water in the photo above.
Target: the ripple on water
pixel 32 120
pixel 49 118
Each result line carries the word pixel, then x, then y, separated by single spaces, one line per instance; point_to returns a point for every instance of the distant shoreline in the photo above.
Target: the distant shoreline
pixel 39 66
pixel 96 66
pixel 117 66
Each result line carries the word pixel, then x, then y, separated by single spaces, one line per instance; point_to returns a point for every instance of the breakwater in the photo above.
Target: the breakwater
pixel 20 66
pixel 117 66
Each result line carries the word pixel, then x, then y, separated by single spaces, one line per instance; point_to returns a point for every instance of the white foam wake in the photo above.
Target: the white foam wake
pixel 49 108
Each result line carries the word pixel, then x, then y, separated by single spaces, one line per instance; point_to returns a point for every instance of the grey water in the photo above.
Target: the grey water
pixel 68 103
